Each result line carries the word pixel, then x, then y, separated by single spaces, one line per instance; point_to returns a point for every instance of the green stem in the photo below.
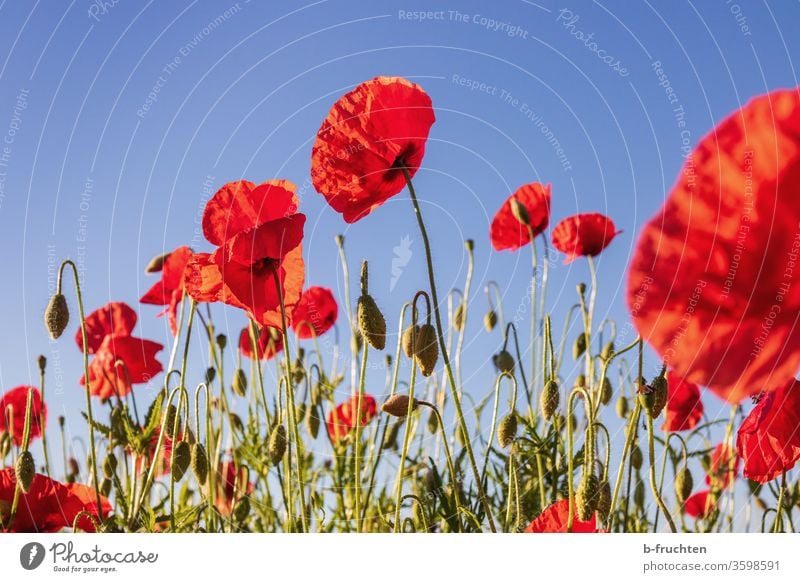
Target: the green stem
pixel 357 445
pixel 406 442
pixel 653 485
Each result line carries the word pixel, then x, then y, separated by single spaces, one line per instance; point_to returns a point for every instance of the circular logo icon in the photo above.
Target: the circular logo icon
pixel 31 555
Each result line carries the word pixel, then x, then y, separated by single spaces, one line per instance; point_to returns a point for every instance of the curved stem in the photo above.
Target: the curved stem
pixel 653 485
pixel 404 451
pixel 349 310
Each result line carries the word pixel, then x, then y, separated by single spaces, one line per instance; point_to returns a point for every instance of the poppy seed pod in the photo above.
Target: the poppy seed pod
pixel 181 459
pixel 25 469
pixel 636 457
pixel 586 497
pixel 371 322
pixel 549 399
pixel 507 430
pixel 277 444
pixel 222 341
pixel 519 212
pixel 622 407
pixel 105 487
pixel 458 318
pixel 390 441
pixel 407 341
pixel 504 362
pixel 5 445
pixel 313 422
pixel 426 348
pixel 110 466
pixel 660 394
pixel 606 391
pixel 607 351
pixel 397 405
pixel 684 483
pixel 638 494
pixel 579 347
pixel 199 463
pixel 433 423
pixel 242 509
pixel 604 500
pixel 647 398
pixel 490 320
pixel 56 316
pixel 239 383
pixel 42 361
pixel 211 373
pixel 156 264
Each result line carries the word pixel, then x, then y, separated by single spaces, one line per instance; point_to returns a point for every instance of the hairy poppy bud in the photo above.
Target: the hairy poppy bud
pixel 277 444
pixel 156 264
pixel 606 391
pixel 636 457
pixel 389 360
pixel 426 348
pixel 312 422
pixel 239 383
pixel 42 361
pixel 397 405
pixel 581 287
pixel 390 441
pixel 469 244
pixel 222 341
pixel 371 322
pixel 171 414
pixel 25 470
pixel 580 381
pixel 504 362
pixel 407 341
pixel 579 347
pixel 458 318
pixel 431 480
pixel 519 212
pixel 549 399
pixel 683 485
pixel 586 497
pixel 110 466
pixel 181 459
pixel 199 463
pixel 604 500
pixel 490 320
pixel 72 466
pixel 61 421
pixel 646 396
pixel 56 316
pixel 105 487
pixel 507 430
pixel 211 373
pixel 622 407
pixel 660 394
pixel 607 351
pixel 236 422
pixel 638 493
pixel 433 423
pixel 242 509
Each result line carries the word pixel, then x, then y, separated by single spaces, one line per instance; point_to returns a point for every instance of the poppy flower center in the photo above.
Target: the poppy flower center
pixel 264 267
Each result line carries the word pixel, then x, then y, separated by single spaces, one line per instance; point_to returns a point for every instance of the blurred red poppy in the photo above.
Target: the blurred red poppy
pixel 506 232
pixel 343 418
pixel 138 364
pixel 710 284
pixel 700 505
pixel 369 135
pixel 554 520
pixel 49 506
pixel 315 314
pixel 270 343
pixel 116 318
pixel 684 408
pixel 230 481
pixel 169 290
pixel 724 467
pixel 258 233
pixel 583 235
pixel 769 438
pixel 13 406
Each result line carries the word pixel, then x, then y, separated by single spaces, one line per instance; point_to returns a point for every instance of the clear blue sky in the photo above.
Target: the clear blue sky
pixel 98 170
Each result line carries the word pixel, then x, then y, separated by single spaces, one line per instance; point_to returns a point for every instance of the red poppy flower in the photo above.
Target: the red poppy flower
pixel 13 406
pixel 710 284
pixel 554 520
pixel 116 318
pixel 49 506
pixel 584 235
pixel 230 479
pixel 507 232
pixel 369 135
pixel 721 473
pixel 139 365
pixel 684 408
pixel 169 290
pixel 258 232
pixel 270 343
pixel 315 313
pixel 343 418
pixel 700 505
pixel 769 438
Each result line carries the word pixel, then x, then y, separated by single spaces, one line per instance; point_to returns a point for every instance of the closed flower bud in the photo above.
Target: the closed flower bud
pixel 433 423
pixel 647 398
pixel 239 383
pixel 236 422
pixel 660 393
pixel 490 320
pixel 72 466
pixel 606 391
pixel 519 212
pixel 242 509
pixel 312 422
pixel 604 500
pixel 42 361
pixel 371 322
pixel 61 421
pixel 408 340
pixel 390 441
pixel 277 444
pixel 638 493
pixel 469 244
pixel 222 341
pixel 504 362
pixel 199 463
pixel 458 318
pixel 211 373
pixel 579 347
pixel 426 347
pixel 389 360
pixel 171 413
pixel 580 381
pixel 397 405
pixel 683 485
pixel 586 497
pixel 105 487
pixel 507 430
pixel 56 316
pixel 181 459
pixel 636 457
pixel 622 407
pixel 25 470
pixel 549 399
pixel 110 466
pixel 156 264
pixel 607 351
pixel 581 287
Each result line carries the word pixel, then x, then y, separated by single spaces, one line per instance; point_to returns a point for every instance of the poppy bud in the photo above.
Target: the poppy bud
pixel 156 264
pixel 636 457
pixel 5 445
pixel 171 413
pixel 607 351
pixel 72 466
pixel 490 320
pixel 390 441
pixel 407 341
pixel 211 373
pixel 458 318
pixel 507 430
pixel 236 422
pixel 222 341
pixel 199 463
pixel 181 459
pixel 339 238
pixel 56 316
pixel 519 212
pixel 110 466
pixel 426 348
pixel 604 500
pixel 469 244
pixel 25 470
pixel 239 383
pixel 622 407
pixel 646 396
pixel 431 480
pixel 580 381
pixel 683 485
pixel 371 322
pixel 549 399
pixel 397 405
pixel 581 287
pixel 660 393
pixel 277 444
pixel 606 391
pixel 586 496
pixel 242 509
pixel 433 423
pixel 105 487
pixel 389 360
pixel 504 362
pixel 42 361
pixel 579 347
pixel 638 493
pixel 61 421
pixel 312 422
